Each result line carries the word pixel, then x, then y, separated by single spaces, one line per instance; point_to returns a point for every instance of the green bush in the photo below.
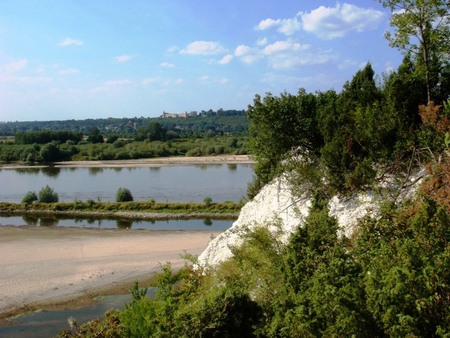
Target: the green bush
pixel 124 195
pixel 47 195
pixel 207 201
pixel 30 197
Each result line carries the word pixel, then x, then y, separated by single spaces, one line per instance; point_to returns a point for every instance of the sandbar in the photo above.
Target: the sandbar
pixel 146 162
pixel 58 267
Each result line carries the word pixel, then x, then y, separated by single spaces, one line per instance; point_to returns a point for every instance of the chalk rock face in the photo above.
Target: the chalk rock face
pixel 275 204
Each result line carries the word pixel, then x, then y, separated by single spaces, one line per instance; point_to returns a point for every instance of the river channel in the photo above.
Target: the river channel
pixel 176 183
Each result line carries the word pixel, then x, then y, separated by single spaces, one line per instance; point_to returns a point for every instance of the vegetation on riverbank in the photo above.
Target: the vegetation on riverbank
pixel 147 138
pixel 134 208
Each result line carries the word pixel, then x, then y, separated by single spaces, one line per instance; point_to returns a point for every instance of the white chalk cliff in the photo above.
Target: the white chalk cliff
pixel 275 204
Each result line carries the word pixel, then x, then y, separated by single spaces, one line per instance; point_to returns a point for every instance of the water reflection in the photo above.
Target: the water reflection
pixel 116 223
pixel 95 170
pixel 48 221
pixel 232 166
pixel 24 171
pixel 51 171
pixel 30 220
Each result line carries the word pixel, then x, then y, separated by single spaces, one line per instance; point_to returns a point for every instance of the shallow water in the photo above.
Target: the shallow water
pixel 50 323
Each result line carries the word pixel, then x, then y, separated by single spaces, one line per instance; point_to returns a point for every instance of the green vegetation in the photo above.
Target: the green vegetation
pixel 30 197
pixel 47 195
pixel 111 207
pixel 124 195
pixel 207 200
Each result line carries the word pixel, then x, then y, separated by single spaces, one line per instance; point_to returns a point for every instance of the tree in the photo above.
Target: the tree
pixel 279 125
pixel 153 132
pixel 124 195
pixel 95 136
pixel 47 195
pixel 426 21
pixel 30 197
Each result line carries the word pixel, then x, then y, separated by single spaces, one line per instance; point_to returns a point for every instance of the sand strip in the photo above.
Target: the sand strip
pixel 46 267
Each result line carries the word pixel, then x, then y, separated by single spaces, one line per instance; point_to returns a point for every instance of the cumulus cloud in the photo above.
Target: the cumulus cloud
pixel 336 22
pixel 203 48
pixel 226 59
pixel 69 41
pixel 123 58
pixel 241 50
pixel 285 26
pixel 327 22
pixel 68 71
pixel 267 23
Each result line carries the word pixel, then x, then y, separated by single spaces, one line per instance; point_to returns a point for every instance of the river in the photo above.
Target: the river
pixel 176 183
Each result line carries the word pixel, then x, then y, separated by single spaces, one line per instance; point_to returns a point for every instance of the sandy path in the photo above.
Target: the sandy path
pixel 45 266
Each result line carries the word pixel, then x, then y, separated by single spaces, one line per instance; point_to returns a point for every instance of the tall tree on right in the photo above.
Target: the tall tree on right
pixel 422 27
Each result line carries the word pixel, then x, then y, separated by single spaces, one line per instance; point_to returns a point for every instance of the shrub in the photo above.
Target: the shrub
pixel 124 195
pixel 47 195
pixel 30 197
pixel 207 201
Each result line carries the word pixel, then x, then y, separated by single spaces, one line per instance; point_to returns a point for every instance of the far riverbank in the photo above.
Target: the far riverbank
pixel 148 162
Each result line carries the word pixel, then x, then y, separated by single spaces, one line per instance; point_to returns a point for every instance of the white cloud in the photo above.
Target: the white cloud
pixel 68 71
pixel 285 26
pixel 226 59
pixel 167 65
pixel 15 66
pixel 262 42
pixel 276 47
pixel 336 22
pixel 203 48
pixel 69 41
pixel 123 58
pixel 241 50
pixel 267 23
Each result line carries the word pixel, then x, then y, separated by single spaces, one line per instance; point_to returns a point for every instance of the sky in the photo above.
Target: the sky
pixel 81 59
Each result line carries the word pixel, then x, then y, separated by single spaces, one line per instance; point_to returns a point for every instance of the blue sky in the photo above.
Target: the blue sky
pixel 79 59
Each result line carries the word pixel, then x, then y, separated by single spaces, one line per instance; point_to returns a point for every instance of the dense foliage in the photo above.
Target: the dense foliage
pixel 124 195
pixel 356 135
pixel 391 280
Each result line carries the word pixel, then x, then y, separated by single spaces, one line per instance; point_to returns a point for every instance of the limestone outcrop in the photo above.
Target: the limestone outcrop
pixel 276 207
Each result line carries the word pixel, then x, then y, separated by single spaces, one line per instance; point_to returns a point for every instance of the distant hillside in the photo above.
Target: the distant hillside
pixel 226 121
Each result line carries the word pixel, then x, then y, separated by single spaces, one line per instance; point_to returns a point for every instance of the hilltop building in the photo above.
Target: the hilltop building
pixel 185 114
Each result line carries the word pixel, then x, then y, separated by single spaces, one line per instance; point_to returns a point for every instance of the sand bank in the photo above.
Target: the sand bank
pixel 147 162
pixel 65 267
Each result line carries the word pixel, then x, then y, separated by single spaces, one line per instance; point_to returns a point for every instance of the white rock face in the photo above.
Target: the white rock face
pixel 276 204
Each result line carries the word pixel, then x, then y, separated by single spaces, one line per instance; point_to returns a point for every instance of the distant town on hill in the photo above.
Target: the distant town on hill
pixel 220 121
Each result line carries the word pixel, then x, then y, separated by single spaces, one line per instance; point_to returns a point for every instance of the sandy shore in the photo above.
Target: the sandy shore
pixel 66 267
pixel 148 162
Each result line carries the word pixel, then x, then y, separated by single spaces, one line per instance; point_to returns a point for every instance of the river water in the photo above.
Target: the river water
pixel 177 183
